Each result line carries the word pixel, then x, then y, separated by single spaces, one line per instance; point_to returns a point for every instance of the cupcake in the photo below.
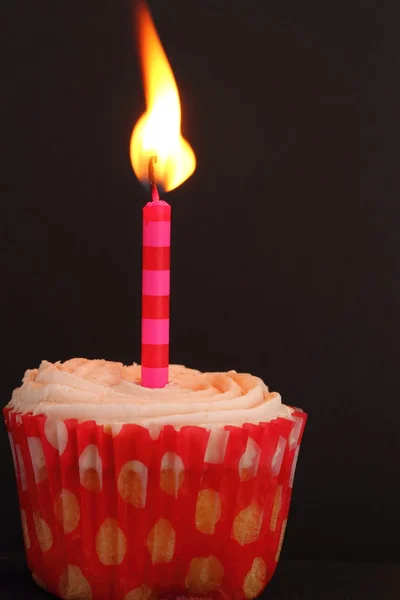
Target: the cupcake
pixel 129 493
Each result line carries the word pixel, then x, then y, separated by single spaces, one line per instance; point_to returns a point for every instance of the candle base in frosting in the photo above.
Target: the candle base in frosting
pixel 110 392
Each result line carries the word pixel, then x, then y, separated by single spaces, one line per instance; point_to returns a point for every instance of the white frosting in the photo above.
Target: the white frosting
pixel 109 392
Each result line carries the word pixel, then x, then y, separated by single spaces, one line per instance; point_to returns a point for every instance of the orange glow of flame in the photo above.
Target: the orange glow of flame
pixel 158 131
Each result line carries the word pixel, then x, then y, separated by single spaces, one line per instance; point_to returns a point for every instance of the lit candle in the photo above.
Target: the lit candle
pixel 157 137
pixel 155 289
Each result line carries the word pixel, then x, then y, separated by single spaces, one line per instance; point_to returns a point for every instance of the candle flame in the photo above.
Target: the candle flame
pixel 158 131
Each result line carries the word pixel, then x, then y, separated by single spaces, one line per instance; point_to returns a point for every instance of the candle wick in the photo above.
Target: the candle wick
pixel 152 178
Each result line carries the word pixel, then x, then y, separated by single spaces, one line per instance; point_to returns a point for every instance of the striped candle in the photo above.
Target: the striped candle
pixel 155 293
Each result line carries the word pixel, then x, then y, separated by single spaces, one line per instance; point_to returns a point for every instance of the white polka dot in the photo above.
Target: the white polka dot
pixel 56 433
pixel 172 473
pixel 110 543
pixel 25 532
pixel 12 446
pixel 154 431
pixel 172 461
pixel 67 510
pixel 254 582
pixel 247 524
pixel 208 510
pixel 294 465
pixel 277 458
pixel 43 533
pixel 21 467
pixel 205 575
pixel 73 585
pixel 141 593
pixel 39 582
pixel 276 507
pixel 91 468
pixel 281 537
pixel 161 542
pixel 295 433
pixel 37 458
pixel 249 461
pixel 132 483
pixel 216 446
pixel 113 429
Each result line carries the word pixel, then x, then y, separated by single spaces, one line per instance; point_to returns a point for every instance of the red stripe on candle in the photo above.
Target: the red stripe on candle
pixel 155 356
pixel 155 307
pixel 156 259
pixel 155 293
pixel 157 211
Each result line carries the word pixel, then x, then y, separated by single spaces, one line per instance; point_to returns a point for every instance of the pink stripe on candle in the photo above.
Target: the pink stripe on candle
pixel 155 331
pixel 155 283
pixel 154 377
pixel 157 233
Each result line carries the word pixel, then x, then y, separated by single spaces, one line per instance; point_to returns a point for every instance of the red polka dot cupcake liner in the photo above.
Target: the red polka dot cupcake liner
pixel 117 512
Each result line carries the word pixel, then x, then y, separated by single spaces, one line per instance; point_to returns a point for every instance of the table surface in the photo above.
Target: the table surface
pixel 293 580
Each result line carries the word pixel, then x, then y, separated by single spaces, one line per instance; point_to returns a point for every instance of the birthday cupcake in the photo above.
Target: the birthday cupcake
pixel 129 493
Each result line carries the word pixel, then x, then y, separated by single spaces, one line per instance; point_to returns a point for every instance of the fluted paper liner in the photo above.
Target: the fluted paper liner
pixel 116 513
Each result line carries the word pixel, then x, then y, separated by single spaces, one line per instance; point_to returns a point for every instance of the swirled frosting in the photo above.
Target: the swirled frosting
pixel 109 392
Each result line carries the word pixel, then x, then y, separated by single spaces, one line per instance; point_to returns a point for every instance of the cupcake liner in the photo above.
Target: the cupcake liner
pixel 121 513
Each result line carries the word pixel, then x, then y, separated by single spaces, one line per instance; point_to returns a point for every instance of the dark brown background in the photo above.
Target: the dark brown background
pixel 285 241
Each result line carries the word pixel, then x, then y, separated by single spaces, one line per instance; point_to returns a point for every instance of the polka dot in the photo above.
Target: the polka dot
pixel 132 483
pixel 154 431
pixel 43 533
pixel 276 507
pixel 56 433
pixel 114 429
pixel 161 542
pixel 216 446
pixel 249 461
pixel 25 532
pixel 91 469
pixel 277 458
pixel 205 575
pixel 247 524
pixel 295 433
pixel 39 582
pixel 21 467
pixel 91 480
pixel 140 593
pixel 281 537
pixel 37 458
pixel 110 543
pixel 208 511
pixel 73 585
pixel 294 465
pixel 172 473
pixel 12 446
pixel 67 510
pixel 254 582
